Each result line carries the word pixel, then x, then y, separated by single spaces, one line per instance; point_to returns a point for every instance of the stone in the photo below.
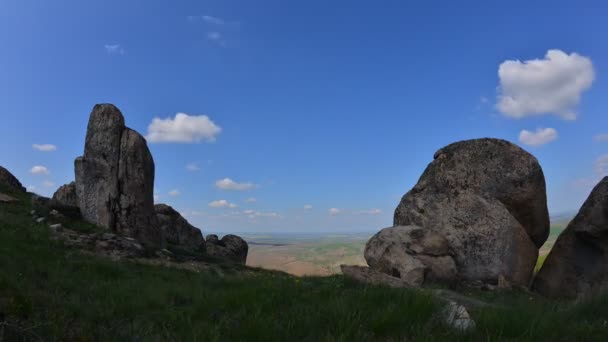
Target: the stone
pixel 457 317
pixel 177 231
pixel 10 182
pixel 115 178
pixel 40 219
pixel 135 215
pixel 56 227
pixel 66 195
pixel 492 168
pixel 4 198
pixel 487 198
pixel 411 253
pixel 230 247
pixel 577 265
pixel 212 238
pixel 370 276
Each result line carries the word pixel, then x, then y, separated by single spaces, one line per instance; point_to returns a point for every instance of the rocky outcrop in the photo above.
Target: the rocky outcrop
pixel 177 230
pixel 487 199
pixel 412 254
pixel 577 265
pixel 66 195
pixel 115 178
pixel 10 182
pixel 230 247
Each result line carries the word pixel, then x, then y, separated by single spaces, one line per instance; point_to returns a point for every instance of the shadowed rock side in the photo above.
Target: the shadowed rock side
pixel 577 265
pixel 9 181
pixel 487 199
pixel 115 178
pixel 177 230
pixel 229 247
pixel 66 195
pixel 411 253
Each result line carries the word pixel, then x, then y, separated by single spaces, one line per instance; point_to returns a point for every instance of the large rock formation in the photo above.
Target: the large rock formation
pixel 230 247
pixel 66 195
pixel 577 265
pixel 177 230
pixel 487 199
pixel 10 182
pixel 115 178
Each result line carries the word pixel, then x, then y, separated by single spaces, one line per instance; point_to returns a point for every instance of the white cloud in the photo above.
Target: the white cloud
pixel 214 35
pixel 222 204
pixel 212 20
pixel 251 200
pixel 308 206
pixel 156 198
pixel 193 167
pixel 371 212
pixel 183 128
pixel 601 166
pixel 114 49
pixel 44 147
pixel 252 214
pixel 334 211
pixel 229 184
pixel 601 137
pixel 552 85
pixel 540 137
pixel 174 192
pixel 207 19
pixel 31 188
pixel 39 170
pixel 48 184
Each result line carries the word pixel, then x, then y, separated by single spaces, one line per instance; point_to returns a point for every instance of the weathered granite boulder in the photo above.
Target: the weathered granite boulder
pixel 66 195
pixel 230 247
pixel 115 178
pixel 487 198
pixel 412 254
pixel 10 182
pixel 177 230
pixel 491 168
pixel 577 265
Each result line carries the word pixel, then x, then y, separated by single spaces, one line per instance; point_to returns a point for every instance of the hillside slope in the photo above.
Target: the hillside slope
pixel 51 292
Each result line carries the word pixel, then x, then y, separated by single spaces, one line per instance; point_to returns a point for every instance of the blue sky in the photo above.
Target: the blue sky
pixel 309 105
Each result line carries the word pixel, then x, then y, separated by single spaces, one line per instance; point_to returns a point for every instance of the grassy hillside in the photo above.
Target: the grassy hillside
pixel 48 292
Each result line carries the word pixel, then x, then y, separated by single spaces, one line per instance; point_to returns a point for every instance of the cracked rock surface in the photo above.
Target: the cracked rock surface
pixel 487 199
pixel 115 178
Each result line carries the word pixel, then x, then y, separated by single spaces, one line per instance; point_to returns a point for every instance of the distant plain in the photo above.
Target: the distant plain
pixel 322 254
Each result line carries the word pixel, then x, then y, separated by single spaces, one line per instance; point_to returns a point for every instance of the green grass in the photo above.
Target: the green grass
pixel 50 292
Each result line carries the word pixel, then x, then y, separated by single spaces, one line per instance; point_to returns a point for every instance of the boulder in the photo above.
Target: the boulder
pixel 66 195
pixel 411 253
pixel 115 178
pixel 212 238
pixel 491 168
pixel 10 182
pixel 230 247
pixel 135 215
pixel 577 265
pixel 177 231
pixel 487 198
pixel 370 276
